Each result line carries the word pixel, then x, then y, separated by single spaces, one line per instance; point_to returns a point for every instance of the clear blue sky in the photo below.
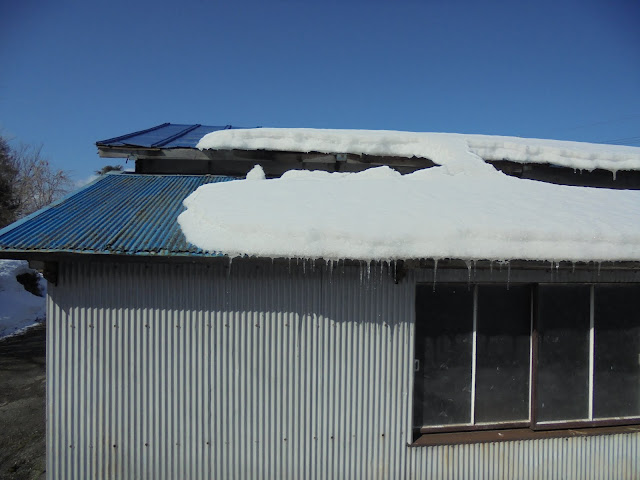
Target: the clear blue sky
pixel 72 73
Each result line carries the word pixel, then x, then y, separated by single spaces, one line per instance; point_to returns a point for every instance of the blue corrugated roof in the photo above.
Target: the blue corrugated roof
pixel 117 214
pixel 166 135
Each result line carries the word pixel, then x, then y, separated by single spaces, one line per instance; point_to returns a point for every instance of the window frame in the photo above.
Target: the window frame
pixel 531 428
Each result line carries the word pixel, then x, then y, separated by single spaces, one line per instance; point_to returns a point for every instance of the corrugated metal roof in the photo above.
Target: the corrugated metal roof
pixel 117 214
pixel 166 135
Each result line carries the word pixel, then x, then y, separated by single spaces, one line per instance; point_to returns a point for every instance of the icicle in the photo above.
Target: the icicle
pixel 468 264
pixel 229 268
pixel 491 267
pixel 599 265
pixel 508 274
pixel 435 271
pixel 614 174
pixel 369 270
pixel 573 267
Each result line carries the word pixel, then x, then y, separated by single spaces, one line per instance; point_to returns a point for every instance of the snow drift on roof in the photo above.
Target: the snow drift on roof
pixel 454 151
pixel 379 214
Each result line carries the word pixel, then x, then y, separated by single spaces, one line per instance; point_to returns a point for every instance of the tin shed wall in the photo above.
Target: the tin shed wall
pixel 260 371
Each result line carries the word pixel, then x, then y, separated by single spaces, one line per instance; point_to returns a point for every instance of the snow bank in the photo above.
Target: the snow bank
pixel 456 152
pixel 19 309
pixel 379 214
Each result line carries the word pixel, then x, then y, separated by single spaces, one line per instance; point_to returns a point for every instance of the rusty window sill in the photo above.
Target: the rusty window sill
pixel 485 436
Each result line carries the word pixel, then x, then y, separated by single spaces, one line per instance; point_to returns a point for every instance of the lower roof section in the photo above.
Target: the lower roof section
pixel 125 214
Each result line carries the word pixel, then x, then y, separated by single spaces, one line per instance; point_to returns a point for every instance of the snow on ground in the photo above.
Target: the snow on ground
pixel 454 151
pixel 19 309
pixel 379 214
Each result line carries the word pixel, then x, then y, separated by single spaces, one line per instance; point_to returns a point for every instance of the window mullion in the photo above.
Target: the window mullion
pixel 473 354
pixel 533 344
pixel 591 348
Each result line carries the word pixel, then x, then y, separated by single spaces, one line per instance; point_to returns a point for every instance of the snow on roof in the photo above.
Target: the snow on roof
pixel 447 149
pixel 460 210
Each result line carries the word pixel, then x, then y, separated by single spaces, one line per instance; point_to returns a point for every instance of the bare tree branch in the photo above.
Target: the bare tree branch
pixel 36 183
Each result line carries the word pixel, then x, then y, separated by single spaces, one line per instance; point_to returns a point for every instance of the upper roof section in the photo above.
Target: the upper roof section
pixel 196 149
pixel 125 214
pixel 166 135
pixel 446 149
pixel 170 148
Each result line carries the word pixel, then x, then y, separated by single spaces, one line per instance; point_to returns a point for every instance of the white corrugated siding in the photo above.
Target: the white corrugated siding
pixel 189 371
pixel 611 457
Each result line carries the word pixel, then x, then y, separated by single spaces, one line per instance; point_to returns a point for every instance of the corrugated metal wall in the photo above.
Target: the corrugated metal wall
pixel 612 457
pixel 195 371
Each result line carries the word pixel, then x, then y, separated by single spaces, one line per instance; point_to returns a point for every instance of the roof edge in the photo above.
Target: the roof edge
pixel 64 198
pixel 425 264
pixel 132 134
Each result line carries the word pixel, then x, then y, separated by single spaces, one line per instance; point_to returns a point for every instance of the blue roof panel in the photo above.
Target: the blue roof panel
pixel 126 214
pixel 166 135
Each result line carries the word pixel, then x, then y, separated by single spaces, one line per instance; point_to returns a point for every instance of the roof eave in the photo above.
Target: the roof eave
pixel 138 152
pixel 58 255
pixel 550 268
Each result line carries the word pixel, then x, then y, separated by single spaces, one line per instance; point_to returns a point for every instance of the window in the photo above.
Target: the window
pixel 542 356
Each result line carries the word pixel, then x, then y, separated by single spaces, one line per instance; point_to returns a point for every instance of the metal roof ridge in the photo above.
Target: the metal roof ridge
pixel 174 175
pixel 133 134
pixel 176 136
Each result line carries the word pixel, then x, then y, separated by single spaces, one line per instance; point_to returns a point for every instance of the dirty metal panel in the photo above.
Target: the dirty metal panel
pixel 189 371
pixel 580 458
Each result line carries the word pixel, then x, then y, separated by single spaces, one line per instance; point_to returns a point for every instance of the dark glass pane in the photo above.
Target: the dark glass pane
pixel 616 379
pixel 563 352
pixel 503 353
pixel 444 322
